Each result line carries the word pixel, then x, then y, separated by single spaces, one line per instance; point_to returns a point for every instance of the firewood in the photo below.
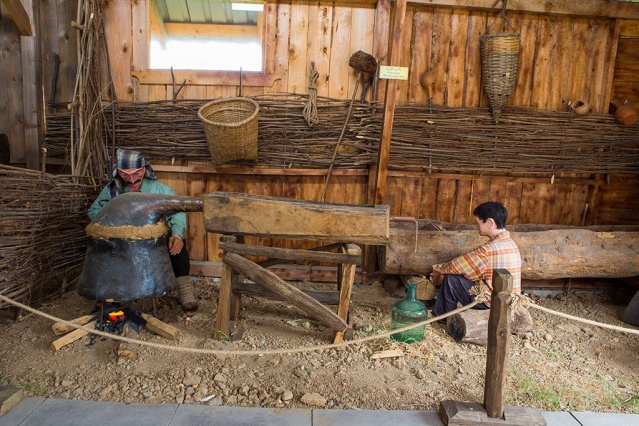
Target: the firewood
pixel 71 337
pixel 60 328
pixel 128 350
pixel 158 327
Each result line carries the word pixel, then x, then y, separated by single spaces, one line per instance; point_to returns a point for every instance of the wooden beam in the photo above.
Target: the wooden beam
pixel 206 78
pixel 20 16
pixel 296 297
pixel 389 103
pixel 585 8
pixel 157 24
pixel 290 254
pixel 187 29
pixel 277 217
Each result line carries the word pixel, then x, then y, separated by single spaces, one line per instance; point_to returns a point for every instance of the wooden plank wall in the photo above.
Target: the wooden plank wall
pixel 626 74
pixel 562 59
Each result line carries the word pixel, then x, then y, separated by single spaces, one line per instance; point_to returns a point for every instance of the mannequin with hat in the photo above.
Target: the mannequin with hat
pixel 133 174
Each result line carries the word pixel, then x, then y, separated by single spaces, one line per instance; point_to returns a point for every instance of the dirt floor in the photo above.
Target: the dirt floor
pixel 562 365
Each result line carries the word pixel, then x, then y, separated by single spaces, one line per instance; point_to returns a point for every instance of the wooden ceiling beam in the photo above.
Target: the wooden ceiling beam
pixel 185 29
pixel 585 8
pixel 20 16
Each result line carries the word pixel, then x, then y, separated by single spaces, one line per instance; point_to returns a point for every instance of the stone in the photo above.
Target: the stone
pixel 313 399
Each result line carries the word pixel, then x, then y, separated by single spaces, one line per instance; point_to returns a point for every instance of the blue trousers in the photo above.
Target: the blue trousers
pixel 454 289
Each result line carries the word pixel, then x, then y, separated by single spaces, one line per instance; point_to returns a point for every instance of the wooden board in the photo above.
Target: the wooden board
pixel 273 217
pixel 560 253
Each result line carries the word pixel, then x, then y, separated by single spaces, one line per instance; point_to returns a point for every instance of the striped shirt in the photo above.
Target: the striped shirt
pixel 500 252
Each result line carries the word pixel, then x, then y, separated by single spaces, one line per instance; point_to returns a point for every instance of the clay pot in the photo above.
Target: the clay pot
pixel 580 107
pixel 625 114
pixel 427 81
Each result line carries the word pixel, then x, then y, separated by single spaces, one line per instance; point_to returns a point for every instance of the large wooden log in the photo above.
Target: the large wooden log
pixel 274 217
pixel 567 252
pixel 289 293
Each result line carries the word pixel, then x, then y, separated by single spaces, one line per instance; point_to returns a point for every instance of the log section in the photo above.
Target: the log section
pixel 274 217
pixel 568 252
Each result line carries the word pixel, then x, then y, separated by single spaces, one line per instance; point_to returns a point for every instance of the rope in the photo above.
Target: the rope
pixel 225 352
pixel 310 109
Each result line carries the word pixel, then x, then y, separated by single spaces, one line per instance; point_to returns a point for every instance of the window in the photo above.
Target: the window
pixel 214 35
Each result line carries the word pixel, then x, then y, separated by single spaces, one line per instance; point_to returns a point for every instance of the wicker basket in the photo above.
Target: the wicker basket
pixel 499 59
pixel 230 126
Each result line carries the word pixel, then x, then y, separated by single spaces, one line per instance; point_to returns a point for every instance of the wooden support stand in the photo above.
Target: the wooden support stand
pixel 493 411
pixel 272 217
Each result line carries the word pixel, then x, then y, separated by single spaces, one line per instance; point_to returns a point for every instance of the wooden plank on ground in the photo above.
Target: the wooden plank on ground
pixel 71 337
pixel 60 328
pixel 9 398
pixel 160 328
pixel 263 216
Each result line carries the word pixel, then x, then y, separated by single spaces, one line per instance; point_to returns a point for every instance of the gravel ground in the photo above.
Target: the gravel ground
pixel 561 365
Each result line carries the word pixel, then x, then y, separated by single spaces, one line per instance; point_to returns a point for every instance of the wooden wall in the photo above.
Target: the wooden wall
pixel 626 78
pixel 562 59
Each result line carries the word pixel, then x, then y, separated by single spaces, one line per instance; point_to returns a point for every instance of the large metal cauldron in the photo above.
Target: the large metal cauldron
pixel 127 257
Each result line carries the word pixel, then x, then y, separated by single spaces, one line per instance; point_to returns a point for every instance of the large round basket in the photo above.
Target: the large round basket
pixel 230 126
pixel 499 60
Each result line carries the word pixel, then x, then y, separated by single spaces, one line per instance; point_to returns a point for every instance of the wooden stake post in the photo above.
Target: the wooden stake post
pixel 493 412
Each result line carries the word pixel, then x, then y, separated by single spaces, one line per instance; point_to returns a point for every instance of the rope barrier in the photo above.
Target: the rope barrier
pixel 225 352
pixel 480 290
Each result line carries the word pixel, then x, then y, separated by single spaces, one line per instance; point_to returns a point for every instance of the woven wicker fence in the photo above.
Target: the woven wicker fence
pixel 42 238
pixel 526 141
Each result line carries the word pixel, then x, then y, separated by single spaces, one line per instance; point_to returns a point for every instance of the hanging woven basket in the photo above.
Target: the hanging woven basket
pixel 230 126
pixel 499 58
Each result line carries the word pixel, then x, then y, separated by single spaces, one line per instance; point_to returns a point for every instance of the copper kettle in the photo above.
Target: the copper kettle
pixel 624 114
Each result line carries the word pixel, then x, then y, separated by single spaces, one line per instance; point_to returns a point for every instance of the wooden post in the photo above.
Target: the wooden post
pixel 346 278
pixel 497 349
pixel 389 103
pixel 221 329
pixel 493 412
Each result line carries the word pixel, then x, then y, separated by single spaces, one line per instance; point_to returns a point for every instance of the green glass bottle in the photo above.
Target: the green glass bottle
pixel 406 312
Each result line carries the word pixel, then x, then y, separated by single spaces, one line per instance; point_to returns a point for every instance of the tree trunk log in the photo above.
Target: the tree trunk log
pixel 569 252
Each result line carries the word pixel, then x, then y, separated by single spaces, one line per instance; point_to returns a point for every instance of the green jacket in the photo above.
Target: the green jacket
pixel 177 221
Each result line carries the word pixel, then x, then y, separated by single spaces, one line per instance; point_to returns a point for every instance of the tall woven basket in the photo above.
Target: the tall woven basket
pixel 230 126
pixel 499 59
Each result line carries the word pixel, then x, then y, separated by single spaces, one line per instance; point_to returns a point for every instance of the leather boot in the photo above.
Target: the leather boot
pixel 185 294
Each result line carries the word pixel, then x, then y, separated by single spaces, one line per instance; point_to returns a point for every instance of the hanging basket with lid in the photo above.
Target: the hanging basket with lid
pixel 230 126
pixel 499 55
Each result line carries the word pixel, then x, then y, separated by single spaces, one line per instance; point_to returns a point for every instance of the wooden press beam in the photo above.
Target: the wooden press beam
pixel 20 16
pixel 389 103
pixel 276 217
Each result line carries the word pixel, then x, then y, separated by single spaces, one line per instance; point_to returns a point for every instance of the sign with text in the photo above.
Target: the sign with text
pixel 393 73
